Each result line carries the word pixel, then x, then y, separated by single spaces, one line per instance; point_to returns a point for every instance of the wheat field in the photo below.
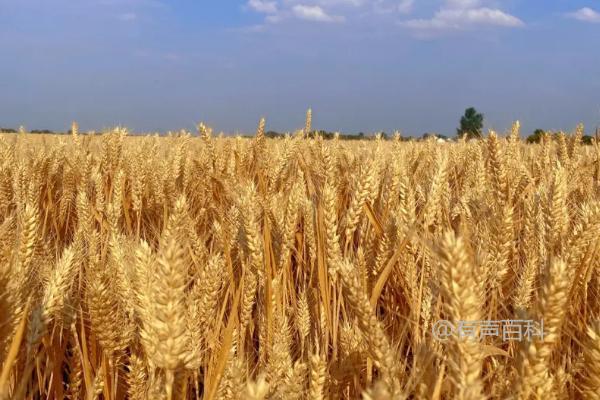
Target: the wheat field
pixel 203 267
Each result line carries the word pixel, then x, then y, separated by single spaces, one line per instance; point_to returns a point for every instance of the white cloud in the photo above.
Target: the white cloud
pixel 586 14
pixel 462 15
pixel 274 19
pixel 326 10
pixel 330 3
pixel 405 6
pixel 461 19
pixel 262 6
pixel 393 6
pixel 314 13
pixel 463 3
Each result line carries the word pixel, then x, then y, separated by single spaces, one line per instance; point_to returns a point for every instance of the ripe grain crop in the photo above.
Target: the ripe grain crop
pixel 192 266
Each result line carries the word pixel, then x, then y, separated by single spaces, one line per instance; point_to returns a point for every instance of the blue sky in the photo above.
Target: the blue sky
pixel 362 65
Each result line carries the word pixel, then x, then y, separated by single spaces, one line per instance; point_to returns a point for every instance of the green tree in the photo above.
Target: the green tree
pixel 536 137
pixel 471 124
pixel 587 139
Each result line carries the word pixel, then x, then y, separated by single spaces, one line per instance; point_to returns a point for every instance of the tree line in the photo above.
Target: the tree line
pixel 470 127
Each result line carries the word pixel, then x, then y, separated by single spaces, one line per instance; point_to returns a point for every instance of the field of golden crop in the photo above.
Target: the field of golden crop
pixel 191 267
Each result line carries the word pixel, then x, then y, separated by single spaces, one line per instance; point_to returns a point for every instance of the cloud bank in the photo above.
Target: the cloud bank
pixel 450 16
pixel 325 11
pixel 462 15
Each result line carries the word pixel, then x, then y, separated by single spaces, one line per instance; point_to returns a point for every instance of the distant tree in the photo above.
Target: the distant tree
pixel 471 124
pixel 273 134
pixel 587 139
pixel 536 137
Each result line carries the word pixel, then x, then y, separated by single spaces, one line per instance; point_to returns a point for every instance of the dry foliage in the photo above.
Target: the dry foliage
pixel 219 268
